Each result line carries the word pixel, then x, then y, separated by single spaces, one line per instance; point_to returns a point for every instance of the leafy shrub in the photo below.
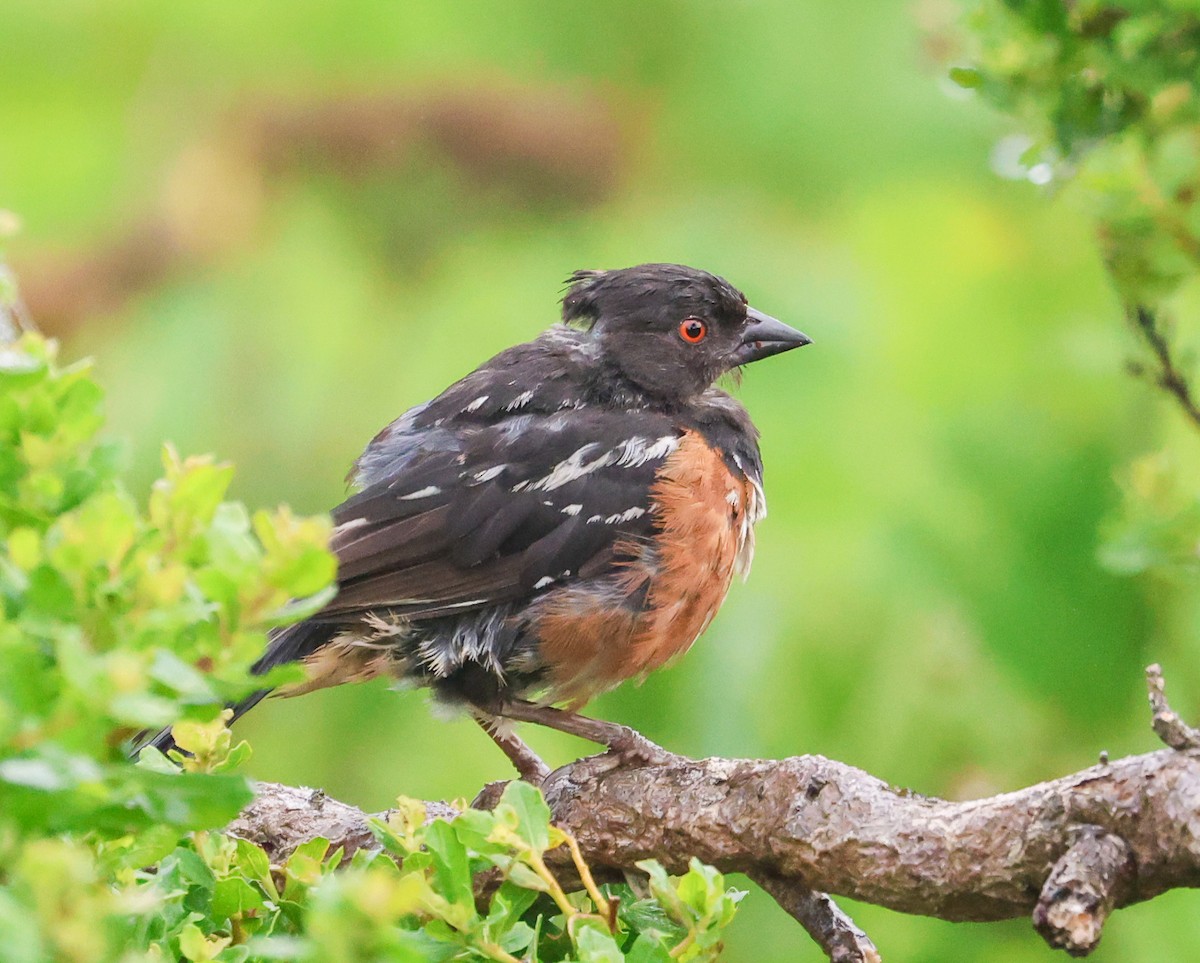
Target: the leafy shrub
pixel 1107 95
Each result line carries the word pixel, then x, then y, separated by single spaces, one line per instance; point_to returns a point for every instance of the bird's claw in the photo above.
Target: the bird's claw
pixel 630 748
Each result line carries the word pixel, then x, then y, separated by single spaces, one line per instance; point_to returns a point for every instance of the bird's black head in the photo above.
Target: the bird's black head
pixel 671 329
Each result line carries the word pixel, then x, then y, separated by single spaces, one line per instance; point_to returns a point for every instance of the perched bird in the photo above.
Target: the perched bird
pixel 567 516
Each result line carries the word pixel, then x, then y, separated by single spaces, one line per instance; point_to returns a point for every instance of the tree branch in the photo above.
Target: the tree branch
pixel 1067 851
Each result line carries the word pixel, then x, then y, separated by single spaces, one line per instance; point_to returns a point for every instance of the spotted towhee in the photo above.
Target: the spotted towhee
pixel 567 516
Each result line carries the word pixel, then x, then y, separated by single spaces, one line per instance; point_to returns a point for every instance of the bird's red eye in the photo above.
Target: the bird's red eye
pixel 693 330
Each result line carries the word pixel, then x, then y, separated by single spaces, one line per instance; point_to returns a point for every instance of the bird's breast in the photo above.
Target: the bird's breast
pixel 662 595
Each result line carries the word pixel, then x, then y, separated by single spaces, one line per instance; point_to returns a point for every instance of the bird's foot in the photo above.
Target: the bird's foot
pixel 630 748
pixel 529 764
pixel 627 749
pixel 626 746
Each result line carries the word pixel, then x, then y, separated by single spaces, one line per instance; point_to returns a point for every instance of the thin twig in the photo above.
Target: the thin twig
pixel 826 922
pixel 589 884
pixel 1166 722
pixel 1167 376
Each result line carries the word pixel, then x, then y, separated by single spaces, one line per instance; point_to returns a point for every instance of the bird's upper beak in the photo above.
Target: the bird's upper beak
pixel 764 336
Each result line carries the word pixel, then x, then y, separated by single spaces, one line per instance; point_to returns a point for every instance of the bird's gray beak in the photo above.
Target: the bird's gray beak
pixel 763 336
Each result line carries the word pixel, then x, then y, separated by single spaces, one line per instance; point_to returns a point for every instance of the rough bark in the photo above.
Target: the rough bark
pixel 1065 851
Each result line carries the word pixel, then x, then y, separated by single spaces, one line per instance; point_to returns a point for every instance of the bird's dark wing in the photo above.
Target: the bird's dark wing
pixel 473 515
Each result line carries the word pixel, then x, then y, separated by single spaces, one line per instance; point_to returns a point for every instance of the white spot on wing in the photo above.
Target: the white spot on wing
pixel 489 473
pixel 520 401
pixel 425 492
pixel 626 516
pixel 629 454
pixel 568 470
pixel 572 509
pixel 477 403
pixel 637 451
pixel 544 581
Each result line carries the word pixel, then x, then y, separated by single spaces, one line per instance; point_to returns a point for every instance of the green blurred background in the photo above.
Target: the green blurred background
pixel 276 226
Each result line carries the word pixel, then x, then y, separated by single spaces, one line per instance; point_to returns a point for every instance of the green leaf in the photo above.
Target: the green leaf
pixel 660 882
pixel 49 596
pixel 648 949
pixel 526 878
pixel 183 870
pixel 595 945
pixel 99 532
pixel 143 709
pixel 153 759
pixel 140 849
pixel 197 947
pixel 187 800
pixel 233 896
pixel 701 887
pixel 474 827
pixel 186 680
pixel 48 771
pixel 452 870
pixel 648 917
pixel 517 938
pixel 298 609
pixel 254 865
pixel 509 904
pixel 198 486
pixel 307 862
pixel 20 934
pixel 237 757
pixel 532 814
pixel 967 77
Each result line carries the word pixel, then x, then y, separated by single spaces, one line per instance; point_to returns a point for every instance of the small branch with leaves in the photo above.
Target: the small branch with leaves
pixel 1065 852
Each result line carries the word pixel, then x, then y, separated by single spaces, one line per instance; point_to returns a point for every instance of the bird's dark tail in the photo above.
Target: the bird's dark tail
pixel 289 644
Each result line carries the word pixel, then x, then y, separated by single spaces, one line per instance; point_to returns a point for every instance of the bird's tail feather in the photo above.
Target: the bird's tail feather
pixel 289 644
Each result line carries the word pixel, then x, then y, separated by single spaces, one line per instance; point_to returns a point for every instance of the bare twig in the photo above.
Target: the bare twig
pixel 1167 374
pixel 825 921
pixel 1081 890
pixel 1166 722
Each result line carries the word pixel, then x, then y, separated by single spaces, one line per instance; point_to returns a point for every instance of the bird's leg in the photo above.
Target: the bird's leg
pixel 529 764
pixel 629 744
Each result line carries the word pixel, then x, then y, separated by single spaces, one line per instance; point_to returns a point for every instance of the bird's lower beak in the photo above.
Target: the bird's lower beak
pixel 763 336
